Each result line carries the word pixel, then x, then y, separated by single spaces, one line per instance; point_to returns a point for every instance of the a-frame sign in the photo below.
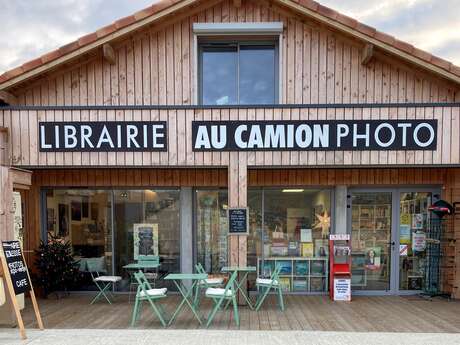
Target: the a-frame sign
pixel 18 280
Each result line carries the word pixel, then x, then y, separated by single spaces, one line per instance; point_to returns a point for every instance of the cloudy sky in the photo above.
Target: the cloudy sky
pixel 33 27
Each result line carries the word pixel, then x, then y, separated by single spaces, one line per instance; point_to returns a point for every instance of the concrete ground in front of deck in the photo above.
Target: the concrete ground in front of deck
pixel 220 337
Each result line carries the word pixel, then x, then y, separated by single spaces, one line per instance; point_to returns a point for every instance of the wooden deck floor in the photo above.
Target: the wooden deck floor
pixel 363 314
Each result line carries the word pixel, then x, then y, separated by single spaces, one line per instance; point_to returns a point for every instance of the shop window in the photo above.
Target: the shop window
pixel 238 72
pixel 147 222
pixel 84 218
pixel 211 229
pixel 290 227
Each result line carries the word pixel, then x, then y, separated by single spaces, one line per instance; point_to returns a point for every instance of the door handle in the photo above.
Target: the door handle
pixel 392 243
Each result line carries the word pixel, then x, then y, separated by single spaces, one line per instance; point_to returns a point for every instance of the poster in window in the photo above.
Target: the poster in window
pixel 373 258
pixel 418 241
pixel 404 234
pixel 417 221
pixel 145 240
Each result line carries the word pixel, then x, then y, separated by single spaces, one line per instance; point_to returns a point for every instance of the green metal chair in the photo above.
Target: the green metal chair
pixel 219 295
pixel 104 283
pixel 205 283
pixel 147 260
pixel 146 293
pixel 266 284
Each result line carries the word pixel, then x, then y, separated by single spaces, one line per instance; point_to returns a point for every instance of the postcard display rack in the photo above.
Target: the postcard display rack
pixel 340 267
pixel 298 274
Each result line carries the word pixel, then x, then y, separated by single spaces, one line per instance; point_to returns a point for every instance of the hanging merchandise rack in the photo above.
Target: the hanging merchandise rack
pixel 440 221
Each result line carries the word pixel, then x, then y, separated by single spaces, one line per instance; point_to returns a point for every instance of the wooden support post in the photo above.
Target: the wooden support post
pixel 368 54
pixel 8 98
pixel 237 197
pixel 109 54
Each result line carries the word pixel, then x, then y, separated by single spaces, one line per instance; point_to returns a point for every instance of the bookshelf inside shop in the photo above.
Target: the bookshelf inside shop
pixel 298 274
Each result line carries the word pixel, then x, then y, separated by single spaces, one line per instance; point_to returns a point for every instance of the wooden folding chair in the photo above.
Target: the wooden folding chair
pixel 219 295
pixel 266 284
pixel 205 283
pixel 146 293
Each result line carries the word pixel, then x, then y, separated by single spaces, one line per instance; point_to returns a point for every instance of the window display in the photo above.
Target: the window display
pixel 211 229
pixel 294 225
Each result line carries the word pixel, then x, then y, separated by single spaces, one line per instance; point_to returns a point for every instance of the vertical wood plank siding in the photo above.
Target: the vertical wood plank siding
pixel 24 146
pixel 157 66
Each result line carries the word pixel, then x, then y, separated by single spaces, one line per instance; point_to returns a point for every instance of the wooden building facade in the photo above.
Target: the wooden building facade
pixel 330 69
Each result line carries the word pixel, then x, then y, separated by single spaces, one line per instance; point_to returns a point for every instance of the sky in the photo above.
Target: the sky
pixel 34 27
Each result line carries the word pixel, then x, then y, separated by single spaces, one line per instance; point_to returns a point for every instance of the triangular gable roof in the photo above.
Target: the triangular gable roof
pixel 152 13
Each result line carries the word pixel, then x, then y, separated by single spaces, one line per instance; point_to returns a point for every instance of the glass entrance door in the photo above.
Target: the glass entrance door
pixel 371 240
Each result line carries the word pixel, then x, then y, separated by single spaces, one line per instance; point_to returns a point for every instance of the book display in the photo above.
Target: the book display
pixel 298 274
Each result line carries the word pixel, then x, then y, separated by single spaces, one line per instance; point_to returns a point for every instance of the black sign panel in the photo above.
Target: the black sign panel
pixel 238 221
pixel 314 135
pixel 102 136
pixel 16 266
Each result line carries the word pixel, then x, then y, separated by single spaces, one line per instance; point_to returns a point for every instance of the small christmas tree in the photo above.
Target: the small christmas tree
pixel 56 268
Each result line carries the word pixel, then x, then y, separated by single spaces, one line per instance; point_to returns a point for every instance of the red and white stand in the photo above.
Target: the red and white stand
pixel 340 267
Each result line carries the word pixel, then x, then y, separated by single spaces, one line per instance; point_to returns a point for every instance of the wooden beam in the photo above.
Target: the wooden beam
pixel 109 54
pixel 368 54
pixel 8 98
pixel 237 3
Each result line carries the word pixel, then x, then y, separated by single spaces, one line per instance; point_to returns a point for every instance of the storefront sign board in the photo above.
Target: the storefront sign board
pixel 314 135
pixel 103 136
pixel 238 221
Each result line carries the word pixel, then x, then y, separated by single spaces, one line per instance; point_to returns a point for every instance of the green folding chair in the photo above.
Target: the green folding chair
pixel 219 295
pixel 264 286
pixel 104 283
pixel 148 261
pixel 146 293
pixel 205 283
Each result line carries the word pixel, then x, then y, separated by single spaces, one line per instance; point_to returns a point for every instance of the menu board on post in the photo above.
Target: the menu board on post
pixel 17 280
pixel 238 221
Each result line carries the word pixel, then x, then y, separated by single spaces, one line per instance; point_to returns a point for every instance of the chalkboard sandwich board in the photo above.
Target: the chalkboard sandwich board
pixel 238 221
pixel 17 280
pixel 16 267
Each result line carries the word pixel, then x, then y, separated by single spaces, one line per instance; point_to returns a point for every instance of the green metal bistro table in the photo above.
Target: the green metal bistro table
pixel 246 271
pixel 186 292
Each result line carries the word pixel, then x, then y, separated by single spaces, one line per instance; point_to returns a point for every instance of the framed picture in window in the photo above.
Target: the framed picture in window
pixel 145 239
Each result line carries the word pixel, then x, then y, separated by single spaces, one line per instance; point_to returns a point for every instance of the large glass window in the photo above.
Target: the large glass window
pixel 293 225
pixel 84 218
pixel 211 229
pixel 238 73
pixel 138 211
pixel 145 222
